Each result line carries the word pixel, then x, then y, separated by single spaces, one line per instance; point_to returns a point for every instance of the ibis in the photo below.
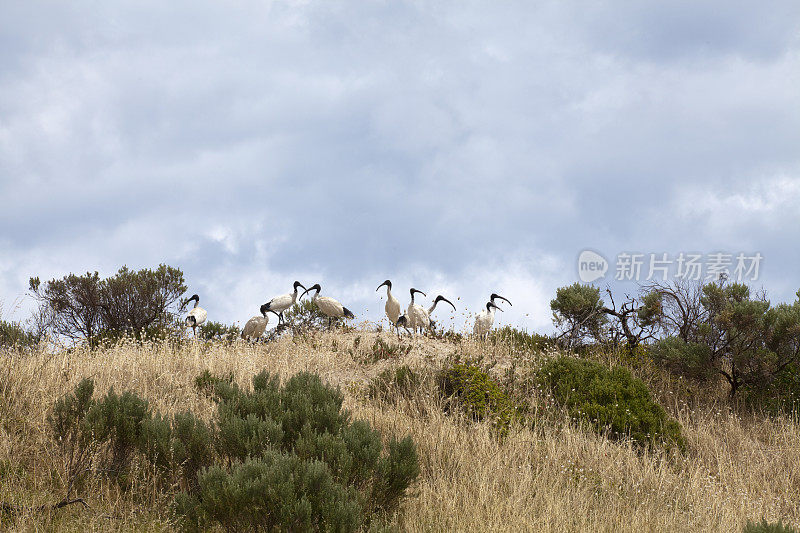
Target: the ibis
pixel 392 306
pixel 429 324
pixel 281 303
pixel 197 315
pixel 328 306
pixel 255 327
pixel 485 319
pixel 416 317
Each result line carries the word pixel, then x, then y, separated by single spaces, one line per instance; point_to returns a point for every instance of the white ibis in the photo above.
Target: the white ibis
pixel 392 306
pixel 328 306
pixel 281 303
pixel 485 319
pixel 197 315
pixel 415 314
pixel 255 327
pixel 429 324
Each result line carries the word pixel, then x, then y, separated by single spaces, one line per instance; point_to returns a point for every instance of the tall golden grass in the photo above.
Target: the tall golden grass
pixel 553 476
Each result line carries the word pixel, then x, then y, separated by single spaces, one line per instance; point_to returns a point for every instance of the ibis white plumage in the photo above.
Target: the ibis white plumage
pixel 416 317
pixel 196 316
pixel 256 326
pixel 392 306
pixel 328 306
pixel 281 303
pixel 485 319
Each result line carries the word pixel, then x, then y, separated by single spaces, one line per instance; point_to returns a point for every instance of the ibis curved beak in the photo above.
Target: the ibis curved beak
pixel 443 299
pixel 387 282
pixel 313 287
pixel 498 297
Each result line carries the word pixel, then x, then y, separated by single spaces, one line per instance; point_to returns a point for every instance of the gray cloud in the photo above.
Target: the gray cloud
pixel 460 147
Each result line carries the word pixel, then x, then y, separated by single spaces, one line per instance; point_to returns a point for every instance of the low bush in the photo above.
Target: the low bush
pixel 768 527
pixel 470 388
pixel 73 434
pixel 609 399
pixel 274 492
pixel 780 395
pixel 326 471
pixel 118 421
pixel 400 382
pixel 14 335
pixel 206 382
pixel 305 315
pixel 218 331
pixel 277 457
pixel 521 340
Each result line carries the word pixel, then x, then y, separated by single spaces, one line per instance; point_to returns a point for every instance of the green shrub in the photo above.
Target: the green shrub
pixel 287 433
pixel 781 395
pixel 241 438
pixel 275 492
pixel 306 315
pixel 277 457
pixel 474 391
pixel 691 360
pixel 216 331
pixel 397 382
pixel 611 400
pixel 67 420
pixel 206 382
pixel 767 527
pixel 72 432
pixel 192 447
pixel 119 420
pixel 521 340
pixel 129 302
pixel 156 441
pixel 14 335
pixel 394 474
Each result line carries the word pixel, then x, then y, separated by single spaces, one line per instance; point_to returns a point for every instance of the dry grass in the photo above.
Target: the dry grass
pixel 554 477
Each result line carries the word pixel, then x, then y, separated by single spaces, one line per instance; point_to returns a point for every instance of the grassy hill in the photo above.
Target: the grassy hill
pixel 547 474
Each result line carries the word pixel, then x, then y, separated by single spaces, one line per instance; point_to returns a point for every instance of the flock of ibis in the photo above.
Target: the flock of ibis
pixel 416 318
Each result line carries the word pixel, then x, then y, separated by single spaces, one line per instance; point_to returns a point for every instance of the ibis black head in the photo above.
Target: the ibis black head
pixel 413 290
pixel 192 297
pixel 298 284
pixel 441 298
pixel 402 321
pixel 387 283
pixel 494 297
pixel 490 305
pixel 314 287
pixel 264 309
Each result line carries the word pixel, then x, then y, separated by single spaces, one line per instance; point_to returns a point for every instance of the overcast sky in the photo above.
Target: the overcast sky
pixel 459 147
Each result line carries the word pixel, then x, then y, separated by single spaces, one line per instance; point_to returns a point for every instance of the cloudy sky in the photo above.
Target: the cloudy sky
pixel 459 147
